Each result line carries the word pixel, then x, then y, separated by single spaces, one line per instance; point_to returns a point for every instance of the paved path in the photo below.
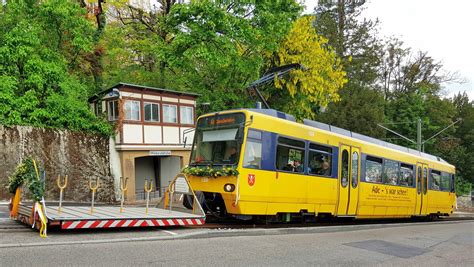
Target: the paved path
pixel 439 244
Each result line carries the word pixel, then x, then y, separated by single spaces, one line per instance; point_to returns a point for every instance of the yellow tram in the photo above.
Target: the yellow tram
pixel 289 169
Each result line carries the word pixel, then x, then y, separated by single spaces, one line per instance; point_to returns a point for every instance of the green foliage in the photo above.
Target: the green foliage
pixel 51 62
pixel 210 171
pixel 464 110
pixel 354 39
pixel 42 50
pixel 25 174
pixel 358 111
pixel 357 45
pixel 463 187
pixel 319 83
pixel 214 49
pixel 388 83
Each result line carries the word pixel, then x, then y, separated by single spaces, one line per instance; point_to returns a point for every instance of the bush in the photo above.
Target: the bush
pixel 463 187
pixel 25 174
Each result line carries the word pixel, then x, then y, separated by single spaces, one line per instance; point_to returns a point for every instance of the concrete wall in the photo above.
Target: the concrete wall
pixel 464 202
pixel 80 156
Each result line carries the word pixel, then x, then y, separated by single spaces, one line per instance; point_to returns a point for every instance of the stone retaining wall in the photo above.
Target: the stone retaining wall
pixel 81 156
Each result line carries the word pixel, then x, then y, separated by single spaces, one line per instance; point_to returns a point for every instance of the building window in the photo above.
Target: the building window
pixel 170 113
pixel 132 110
pixel 290 155
pixel 186 115
pixel 113 110
pixel 320 160
pixel 152 112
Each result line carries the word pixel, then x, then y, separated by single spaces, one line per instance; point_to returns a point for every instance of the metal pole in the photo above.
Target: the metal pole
pixel 61 189
pixel 418 135
pixel 123 188
pixel 93 189
pixel 265 104
pixel 148 190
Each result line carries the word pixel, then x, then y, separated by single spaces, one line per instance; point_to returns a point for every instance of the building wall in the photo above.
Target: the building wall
pixel 78 155
pixel 141 132
pixel 137 139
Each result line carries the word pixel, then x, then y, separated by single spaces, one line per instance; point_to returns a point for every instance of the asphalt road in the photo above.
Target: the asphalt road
pixel 432 244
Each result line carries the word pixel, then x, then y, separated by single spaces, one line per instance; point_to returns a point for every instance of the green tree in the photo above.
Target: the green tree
pixel 411 83
pixel 39 43
pixel 136 43
pixel 212 48
pixel 465 134
pixel 356 43
pixel 314 86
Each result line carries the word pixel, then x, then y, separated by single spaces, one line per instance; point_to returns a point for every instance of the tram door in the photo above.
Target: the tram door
pixel 349 175
pixel 424 197
pixel 421 188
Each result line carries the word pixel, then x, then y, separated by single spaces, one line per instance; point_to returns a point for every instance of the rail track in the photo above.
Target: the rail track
pixel 212 223
pixel 236 224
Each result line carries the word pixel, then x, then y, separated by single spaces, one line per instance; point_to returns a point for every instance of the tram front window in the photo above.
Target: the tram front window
pixel 217 144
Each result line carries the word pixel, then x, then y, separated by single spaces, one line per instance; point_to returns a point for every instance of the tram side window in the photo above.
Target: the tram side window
pixel 435 183
pixel 445 180
pixel 320 160
pixel 406 175
pixel 373 170
pixel 253 150
pixel 290 155
pixel 390 172
pixel 452 183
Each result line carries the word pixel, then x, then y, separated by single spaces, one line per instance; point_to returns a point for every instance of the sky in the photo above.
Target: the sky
pixel 444 29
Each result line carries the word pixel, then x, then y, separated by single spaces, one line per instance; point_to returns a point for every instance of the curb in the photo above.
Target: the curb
pixel 232 233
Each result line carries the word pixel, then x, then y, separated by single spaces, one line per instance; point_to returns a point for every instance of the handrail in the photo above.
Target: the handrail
pixel 148 190
pixel 94 189
pixel 61 189
pixel 123 188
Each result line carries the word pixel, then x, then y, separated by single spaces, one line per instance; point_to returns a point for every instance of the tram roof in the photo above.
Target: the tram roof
pixel 344 132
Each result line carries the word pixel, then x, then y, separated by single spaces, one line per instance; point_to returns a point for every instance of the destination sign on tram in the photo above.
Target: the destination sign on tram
pixel 221 120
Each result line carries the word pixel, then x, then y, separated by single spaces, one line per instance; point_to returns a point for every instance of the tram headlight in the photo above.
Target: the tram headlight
pixel 229 187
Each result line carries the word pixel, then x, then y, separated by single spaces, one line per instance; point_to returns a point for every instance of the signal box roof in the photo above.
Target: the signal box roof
pixel 139 87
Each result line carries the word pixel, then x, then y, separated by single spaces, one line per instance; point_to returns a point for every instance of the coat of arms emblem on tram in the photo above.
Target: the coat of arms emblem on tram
pixel 251 179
